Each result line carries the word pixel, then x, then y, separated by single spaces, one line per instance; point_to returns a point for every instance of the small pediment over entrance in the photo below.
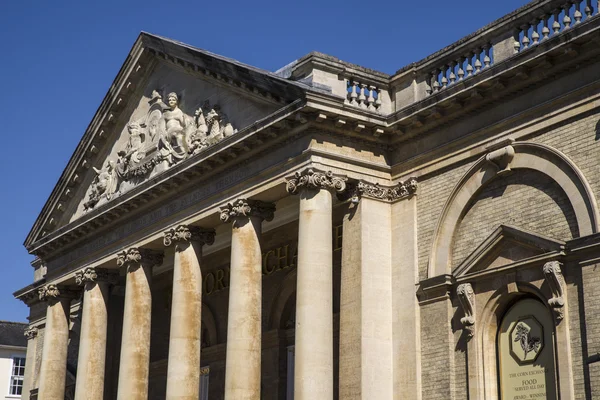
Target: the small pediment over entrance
pixel 507 245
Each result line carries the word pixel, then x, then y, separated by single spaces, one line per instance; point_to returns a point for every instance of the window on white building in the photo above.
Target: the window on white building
pixel 204 375
pixel 17 375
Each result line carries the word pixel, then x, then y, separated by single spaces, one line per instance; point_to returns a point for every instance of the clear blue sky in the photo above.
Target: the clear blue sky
pixel 58 59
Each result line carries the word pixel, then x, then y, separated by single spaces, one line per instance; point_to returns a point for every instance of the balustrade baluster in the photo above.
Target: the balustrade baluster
pixel 353 94
pixel 460 72
pixel 525 39
pixel 378 101
pixel 470 64
pixel 486 59
pixel 567 17
pixel 371 99
pixel 556 24
pixel 444 80
pixel 577 13
pixel 588 8
pixel 362 98
pixel 517 41
pixel 452 76
pixel 545 29
pixel 535 36
pixel 436 83
pixel 477 60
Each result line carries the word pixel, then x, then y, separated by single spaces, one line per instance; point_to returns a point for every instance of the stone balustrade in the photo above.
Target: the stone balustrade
pixel 364 95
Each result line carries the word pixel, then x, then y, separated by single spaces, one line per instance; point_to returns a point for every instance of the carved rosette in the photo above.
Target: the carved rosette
pixel 374 191
pixel 466 297
pixel 245 208
pixel 313 179
pixel 31 332
pixel 188 233
pixel 556 282
pixel 90 274
pixel 140 256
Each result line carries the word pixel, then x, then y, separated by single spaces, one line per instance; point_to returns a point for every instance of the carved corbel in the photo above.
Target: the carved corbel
pixel 245 208
pixel 139 257
pixel 466 296
pixel 313 179
pixel 502 158
pixel 188 233
pixel 31 332
pixel 556 282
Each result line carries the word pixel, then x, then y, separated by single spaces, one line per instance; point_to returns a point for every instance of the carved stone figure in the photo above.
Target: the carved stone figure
pixel 165 136
pixel 105 184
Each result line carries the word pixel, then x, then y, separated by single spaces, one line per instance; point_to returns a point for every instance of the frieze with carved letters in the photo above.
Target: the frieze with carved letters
pixel 164 137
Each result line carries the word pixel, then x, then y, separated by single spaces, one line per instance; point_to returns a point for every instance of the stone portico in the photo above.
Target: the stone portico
pixel 327 231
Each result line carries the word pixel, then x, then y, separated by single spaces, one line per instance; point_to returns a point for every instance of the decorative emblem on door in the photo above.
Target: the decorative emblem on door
pixel 527 339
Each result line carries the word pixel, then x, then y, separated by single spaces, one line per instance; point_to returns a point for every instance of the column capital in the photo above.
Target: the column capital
pixel 31 332
pixel 52 291
pixel 141 256
pixel 245 208
pixel 402 190
pixel 189 233
pixel 311 178
pixel 91 274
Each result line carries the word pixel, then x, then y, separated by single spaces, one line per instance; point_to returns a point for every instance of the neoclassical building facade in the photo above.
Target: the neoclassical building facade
pixel 327 231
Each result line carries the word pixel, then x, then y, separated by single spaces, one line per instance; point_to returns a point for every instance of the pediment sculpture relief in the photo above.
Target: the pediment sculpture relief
pixel 164 137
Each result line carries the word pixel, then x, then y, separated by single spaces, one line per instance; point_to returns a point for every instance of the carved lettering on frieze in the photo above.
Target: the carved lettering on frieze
pixel 138 256
pixel 466 297
pixel 164 137
pixel 313 179
pixel 556 282
pixel 188 233
pixel 90 274
pixel 31 332
pixel 244 208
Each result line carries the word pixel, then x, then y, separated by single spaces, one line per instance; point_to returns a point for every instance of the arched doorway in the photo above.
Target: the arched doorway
pixel 526 352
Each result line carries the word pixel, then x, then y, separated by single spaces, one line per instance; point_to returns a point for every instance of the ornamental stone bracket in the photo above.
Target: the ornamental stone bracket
pixel 90 274
pixel 435 289
pixel 314 179
pixel 246 208
pixel 556 282
pixel 466 297
pixel 51 292
pixel 502 159
pixel 143 257
pixel 403 190
pixel 31 332
pixel 189 233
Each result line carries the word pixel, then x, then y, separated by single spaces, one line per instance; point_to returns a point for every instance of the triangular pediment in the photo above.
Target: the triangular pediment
pixel 141 129
pixel 507 245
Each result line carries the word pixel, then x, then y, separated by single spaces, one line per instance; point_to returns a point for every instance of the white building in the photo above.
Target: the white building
pixel 13 346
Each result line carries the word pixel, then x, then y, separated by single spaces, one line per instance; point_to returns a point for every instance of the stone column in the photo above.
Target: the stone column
pixel 56 340
pixel 313 376
pixel 135 341
pixel 243 360
pixel 183 375
pixel 31 334
pixel 94 325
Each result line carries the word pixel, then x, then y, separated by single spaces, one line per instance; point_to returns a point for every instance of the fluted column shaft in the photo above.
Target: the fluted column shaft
pixel 135 342
pixel 56 340
pixel 244 336
pixel 31 333
pixel 183 374
pixel 313 367
pixel 94 325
